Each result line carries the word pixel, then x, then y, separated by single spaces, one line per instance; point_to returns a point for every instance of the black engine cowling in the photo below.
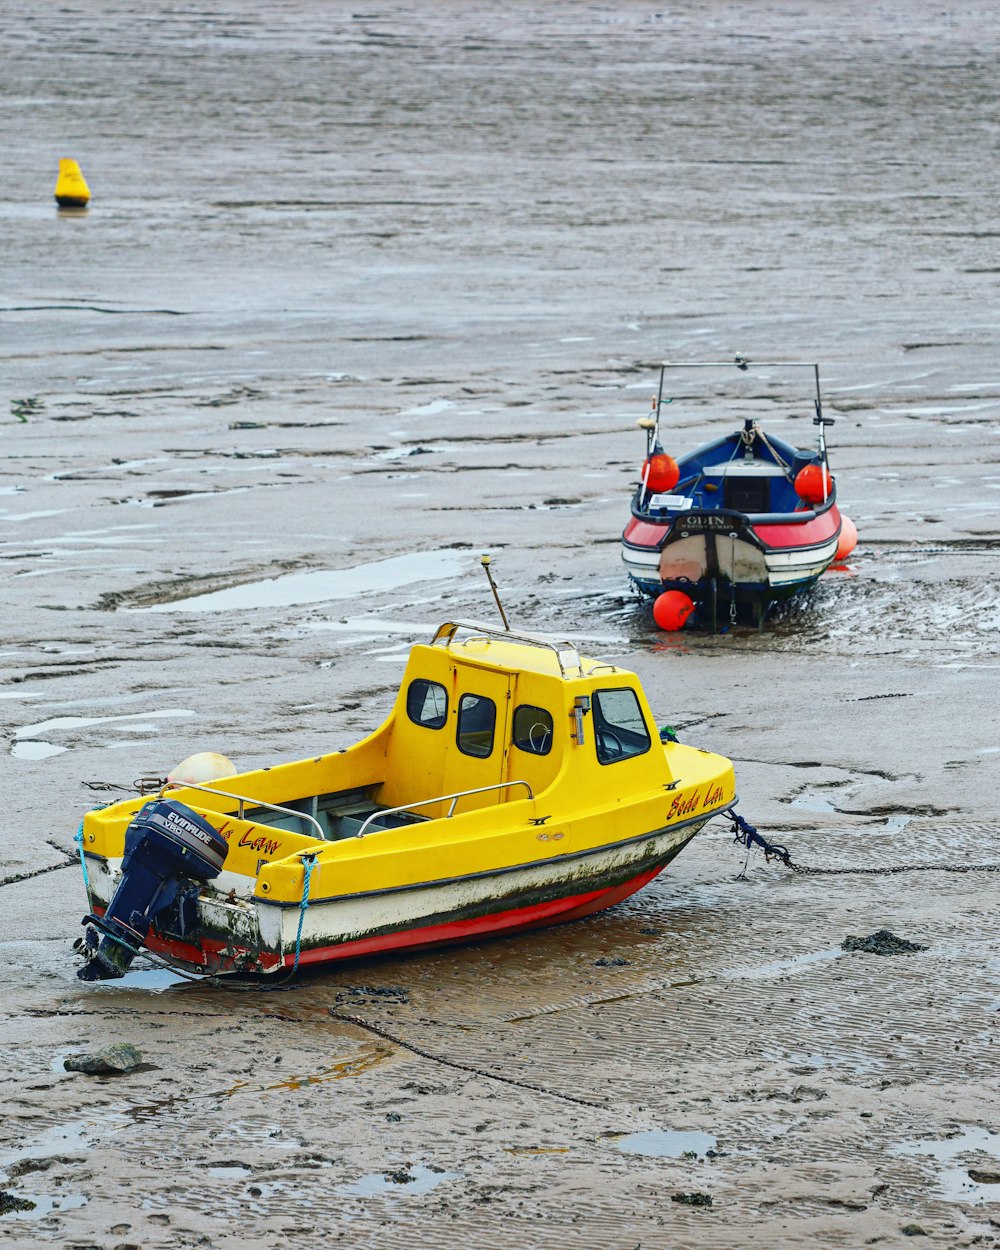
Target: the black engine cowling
pixel 169 848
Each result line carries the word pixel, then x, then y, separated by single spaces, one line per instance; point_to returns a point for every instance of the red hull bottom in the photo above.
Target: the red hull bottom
pixel 536 916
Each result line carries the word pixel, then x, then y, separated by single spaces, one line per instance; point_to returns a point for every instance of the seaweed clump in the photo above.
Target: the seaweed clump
pixel 881 943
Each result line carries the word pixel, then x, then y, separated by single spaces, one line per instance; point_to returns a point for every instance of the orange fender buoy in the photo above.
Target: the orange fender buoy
pixel 848 538
pixel 660 472
pixel 813 483
pixel 671 610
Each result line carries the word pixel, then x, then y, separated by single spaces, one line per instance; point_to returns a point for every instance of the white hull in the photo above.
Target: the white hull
pixel 738 562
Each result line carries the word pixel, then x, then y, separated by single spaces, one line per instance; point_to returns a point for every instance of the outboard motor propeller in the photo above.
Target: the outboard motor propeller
pixel 168 847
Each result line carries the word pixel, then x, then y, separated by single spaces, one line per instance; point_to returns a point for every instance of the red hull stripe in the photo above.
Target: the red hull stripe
pixel 816 532
pixel 644 533
pixel 647 535
pixel 535 916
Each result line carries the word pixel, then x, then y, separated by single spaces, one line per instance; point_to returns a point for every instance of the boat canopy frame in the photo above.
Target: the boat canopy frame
pixel 742 363
pixel 565 652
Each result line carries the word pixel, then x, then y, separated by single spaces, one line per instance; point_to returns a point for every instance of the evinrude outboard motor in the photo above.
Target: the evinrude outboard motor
pixel 168 848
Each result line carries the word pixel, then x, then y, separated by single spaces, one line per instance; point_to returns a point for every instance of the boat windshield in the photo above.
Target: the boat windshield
pixel 619 729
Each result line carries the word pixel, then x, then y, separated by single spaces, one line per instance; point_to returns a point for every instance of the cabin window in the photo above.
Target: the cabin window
pixel 532 730
pixel 619 729
pixel 477 718
pixel 427 703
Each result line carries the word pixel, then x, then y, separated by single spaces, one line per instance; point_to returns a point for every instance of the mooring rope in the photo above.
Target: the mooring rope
pixel 458 1064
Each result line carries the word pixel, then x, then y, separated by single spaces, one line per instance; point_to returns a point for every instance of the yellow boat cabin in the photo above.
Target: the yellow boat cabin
pixel 515 784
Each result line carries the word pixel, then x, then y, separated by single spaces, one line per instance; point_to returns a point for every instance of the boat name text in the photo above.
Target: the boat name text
pixel 706 521
pixel 269 846
pixel 684 805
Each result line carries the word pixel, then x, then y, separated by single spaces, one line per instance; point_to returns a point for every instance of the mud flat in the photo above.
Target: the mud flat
pixel 359 296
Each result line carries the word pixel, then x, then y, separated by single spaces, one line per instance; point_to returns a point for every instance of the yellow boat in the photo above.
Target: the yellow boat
pixel 515 784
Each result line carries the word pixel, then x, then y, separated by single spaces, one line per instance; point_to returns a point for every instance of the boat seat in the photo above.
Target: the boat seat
pixel 339 814
pixel 349 826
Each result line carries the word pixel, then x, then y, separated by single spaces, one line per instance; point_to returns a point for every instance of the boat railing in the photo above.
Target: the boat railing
pixel 243 801
pixel 441 798
pixel 565 652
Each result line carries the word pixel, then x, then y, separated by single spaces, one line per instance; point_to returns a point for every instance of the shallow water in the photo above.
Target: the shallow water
pixel 666 1143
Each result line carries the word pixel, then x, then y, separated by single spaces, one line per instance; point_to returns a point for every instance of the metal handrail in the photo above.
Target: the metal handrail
pixel 441 798
pixel 562 649
pixel 242 799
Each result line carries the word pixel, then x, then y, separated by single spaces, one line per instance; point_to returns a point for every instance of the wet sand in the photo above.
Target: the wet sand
pixel 390 284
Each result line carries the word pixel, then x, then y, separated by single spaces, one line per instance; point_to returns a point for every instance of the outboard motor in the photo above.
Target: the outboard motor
pixel 168 848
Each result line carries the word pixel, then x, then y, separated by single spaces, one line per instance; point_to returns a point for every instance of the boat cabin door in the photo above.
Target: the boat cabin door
pixel 479 736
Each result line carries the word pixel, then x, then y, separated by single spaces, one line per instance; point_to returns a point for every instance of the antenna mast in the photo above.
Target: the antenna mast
pixel 486 561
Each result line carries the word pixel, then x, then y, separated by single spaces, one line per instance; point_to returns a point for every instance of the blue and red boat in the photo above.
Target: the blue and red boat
pixel 737 526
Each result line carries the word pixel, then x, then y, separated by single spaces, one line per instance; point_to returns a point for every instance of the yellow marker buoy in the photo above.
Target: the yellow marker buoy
pixel 71 186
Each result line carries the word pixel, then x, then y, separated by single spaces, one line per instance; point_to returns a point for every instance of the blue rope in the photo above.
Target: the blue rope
pixel 78 839
pixel 745 832
pixel 308 864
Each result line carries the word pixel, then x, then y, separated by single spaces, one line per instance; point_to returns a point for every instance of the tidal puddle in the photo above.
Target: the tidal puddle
pixel 403 453
pixel 812 801
pixel 229 1171
pixel 11 517
pixel 662 1143
pixel 155 980
pixel 317 587
pixel 46 1204
pixel 28 746
pixel 411 1179
pixel 955 1183
pixel 35 750
pixel 75 1137
pixel 430 409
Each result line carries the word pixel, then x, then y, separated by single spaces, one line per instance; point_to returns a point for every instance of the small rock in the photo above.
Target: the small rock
pixel 983 1177
pixel 400 1177
pixel 913 1230
pixel 110 1061
pixel 881 943
pixel 616 962
pixel 693 1200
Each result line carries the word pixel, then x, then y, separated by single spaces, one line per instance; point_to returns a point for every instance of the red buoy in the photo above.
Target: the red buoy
pixel 848 539
pixel 660 472
pixel 671 609
pixel 814 484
